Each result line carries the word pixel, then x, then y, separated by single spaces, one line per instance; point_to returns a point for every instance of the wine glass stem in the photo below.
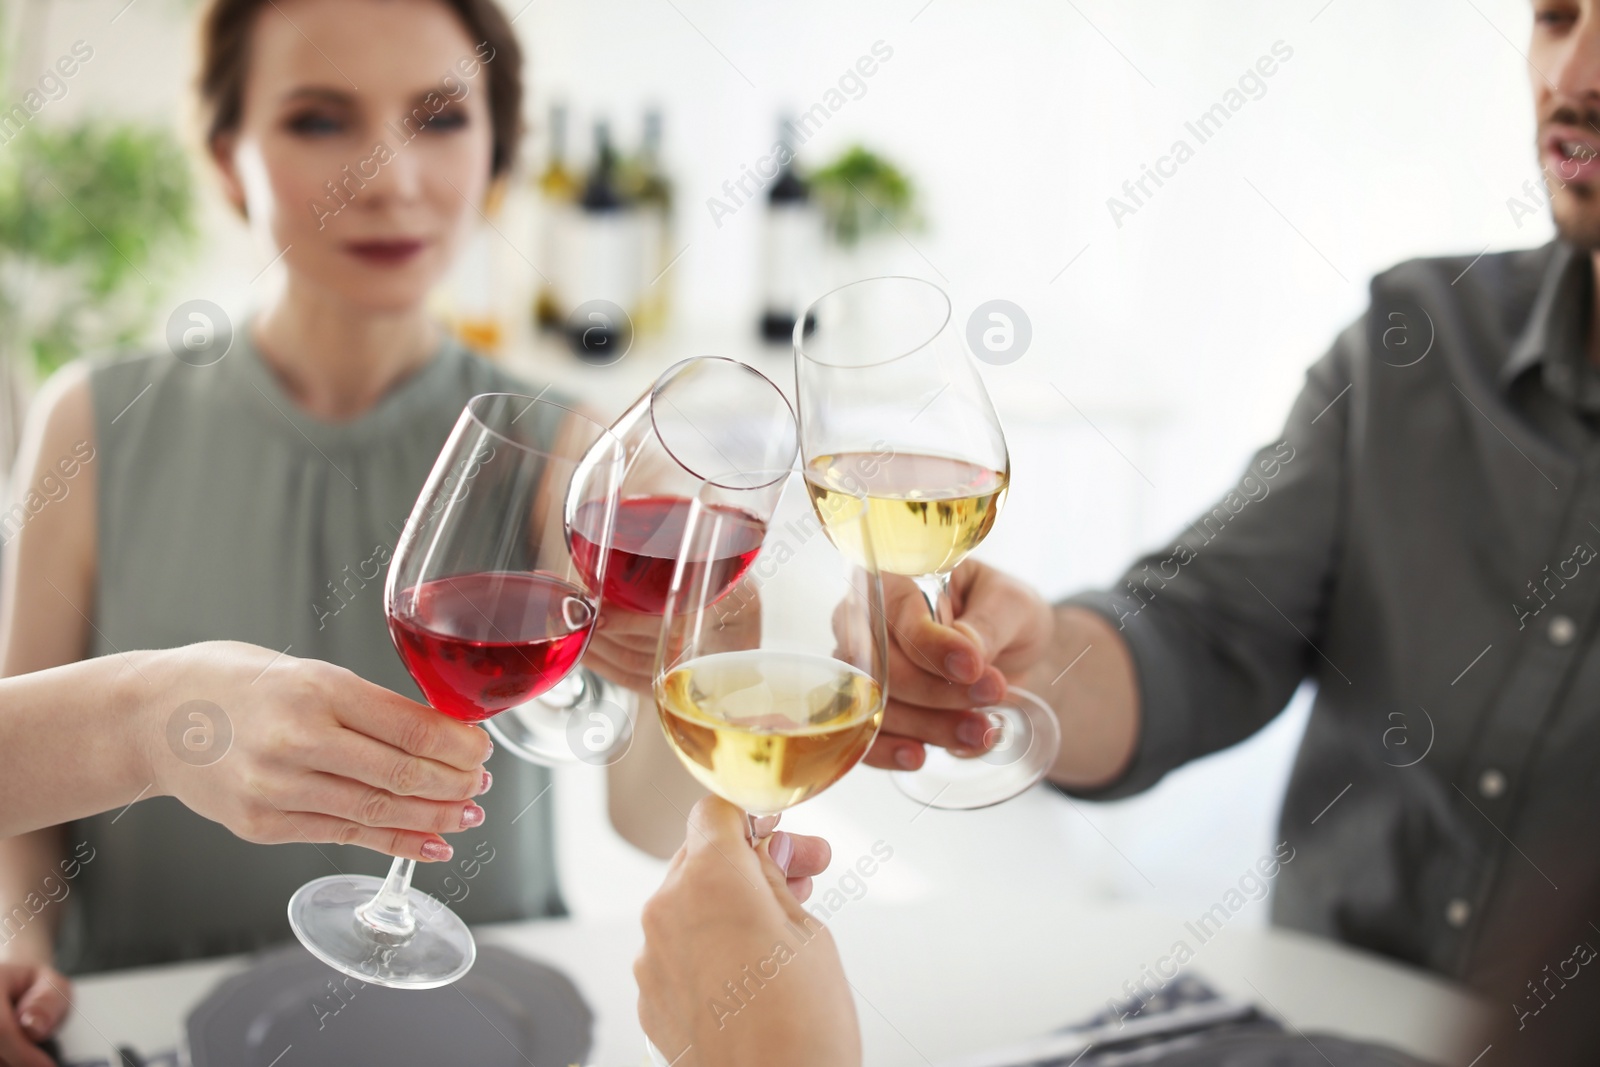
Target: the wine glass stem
pixel 390 911
pixel 936 591
pixel 568 693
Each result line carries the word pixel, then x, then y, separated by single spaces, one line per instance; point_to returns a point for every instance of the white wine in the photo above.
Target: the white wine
pixel 925 512
pixel 766 730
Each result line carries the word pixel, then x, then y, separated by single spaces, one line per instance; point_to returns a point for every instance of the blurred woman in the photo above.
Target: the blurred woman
pixel 259 498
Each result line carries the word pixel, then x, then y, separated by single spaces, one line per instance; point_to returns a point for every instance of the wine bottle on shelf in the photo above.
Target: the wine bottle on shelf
pixel 557 188
pixel 604 259
pixel 791 246
pixel 651 191
pixel 653 188
pixel 601 189
pixel 474 296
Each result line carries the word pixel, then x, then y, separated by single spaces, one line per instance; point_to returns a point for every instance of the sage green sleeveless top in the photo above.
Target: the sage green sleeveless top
pixel 227 513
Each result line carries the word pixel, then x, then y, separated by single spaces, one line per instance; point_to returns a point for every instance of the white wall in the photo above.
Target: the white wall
pixel 1395 130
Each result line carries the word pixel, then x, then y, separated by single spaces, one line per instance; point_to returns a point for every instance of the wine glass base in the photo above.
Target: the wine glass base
pixel 323 916
pixel 1029 740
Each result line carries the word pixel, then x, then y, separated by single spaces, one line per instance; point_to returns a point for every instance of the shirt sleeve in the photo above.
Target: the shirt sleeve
pixel 1223 623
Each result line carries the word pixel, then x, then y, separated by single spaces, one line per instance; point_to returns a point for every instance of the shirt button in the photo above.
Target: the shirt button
pixel 1562 630
pixel 1457 912
pixel 1491 783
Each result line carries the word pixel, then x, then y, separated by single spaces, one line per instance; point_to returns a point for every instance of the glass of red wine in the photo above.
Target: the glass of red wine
pixel 709 429
pixel 488 609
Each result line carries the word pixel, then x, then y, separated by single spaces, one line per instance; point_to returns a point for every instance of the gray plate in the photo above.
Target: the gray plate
pixel 294 1011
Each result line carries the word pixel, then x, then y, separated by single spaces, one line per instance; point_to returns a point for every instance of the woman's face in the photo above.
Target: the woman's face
pixel 364 144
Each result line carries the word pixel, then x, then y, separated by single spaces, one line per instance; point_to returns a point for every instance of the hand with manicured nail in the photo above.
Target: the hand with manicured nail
pixel 800 857
pixel 730 913
pixel 272 747
pixel 34 1005
pixel 937 674
pixel 319 754
pixel 303 751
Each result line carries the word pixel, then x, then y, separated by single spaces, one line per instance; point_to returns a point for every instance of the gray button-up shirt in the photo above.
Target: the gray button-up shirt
pixel 1423 542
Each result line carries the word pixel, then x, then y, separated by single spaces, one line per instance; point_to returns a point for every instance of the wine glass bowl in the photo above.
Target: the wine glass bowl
pixel 487 609
pixel 929 511
pixel 769 692
pixel 648 531
pixel 766 730
pixel 708 427
pixel 480 643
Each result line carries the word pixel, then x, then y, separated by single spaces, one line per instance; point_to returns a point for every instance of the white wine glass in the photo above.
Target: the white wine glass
pixel 895 421
pixel 770 691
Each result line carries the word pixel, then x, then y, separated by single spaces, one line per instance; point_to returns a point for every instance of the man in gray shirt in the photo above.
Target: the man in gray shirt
pixel 1423 542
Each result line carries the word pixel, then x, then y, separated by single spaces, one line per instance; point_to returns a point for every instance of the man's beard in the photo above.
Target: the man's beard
pixel 1576 210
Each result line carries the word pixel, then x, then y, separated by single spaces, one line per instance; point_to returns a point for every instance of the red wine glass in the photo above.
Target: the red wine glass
pixel 488 610
pixel 708 429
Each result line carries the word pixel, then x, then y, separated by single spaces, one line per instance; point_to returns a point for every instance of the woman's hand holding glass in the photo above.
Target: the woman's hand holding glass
pixel 314 753
pixel 725 906
pixel 273 747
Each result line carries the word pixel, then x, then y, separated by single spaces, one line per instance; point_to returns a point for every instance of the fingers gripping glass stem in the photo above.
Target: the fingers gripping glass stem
pixel 935 589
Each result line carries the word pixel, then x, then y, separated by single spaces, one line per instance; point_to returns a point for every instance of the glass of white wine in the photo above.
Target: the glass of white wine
pixel 771 690
pixel 895 423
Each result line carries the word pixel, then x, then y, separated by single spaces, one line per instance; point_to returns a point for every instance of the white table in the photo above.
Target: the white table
pixel 933 981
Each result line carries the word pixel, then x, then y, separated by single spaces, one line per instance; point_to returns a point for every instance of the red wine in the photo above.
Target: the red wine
pixel 644 547
pixel 478 644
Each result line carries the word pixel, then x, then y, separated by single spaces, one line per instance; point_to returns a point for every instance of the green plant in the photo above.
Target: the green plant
pixel 89 213
pixel 862 193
